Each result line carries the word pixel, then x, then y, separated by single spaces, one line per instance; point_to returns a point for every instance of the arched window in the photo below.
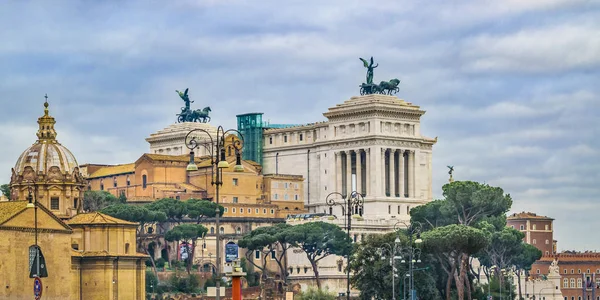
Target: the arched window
pixel 572 283
pixel 547 242
pixel 212 230
pixel 144 181
pixel 579 283
pixel 565 283
pixel 128 181
pixel 534 242
pixel 238 230
pixel 222 230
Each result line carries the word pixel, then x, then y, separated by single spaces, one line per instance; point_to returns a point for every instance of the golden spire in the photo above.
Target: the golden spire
pixel 46 133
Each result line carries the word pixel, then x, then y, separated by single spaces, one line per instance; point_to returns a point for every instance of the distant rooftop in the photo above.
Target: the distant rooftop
pixel 527 215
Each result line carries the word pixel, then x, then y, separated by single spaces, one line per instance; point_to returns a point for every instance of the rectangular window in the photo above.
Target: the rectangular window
pixel 233 210
pixel 272 254
pixel 235 199
pixel 54 203
pixel 295 197
pixel 235 182
pixel 225 210
pixel 264 211
pixel 275 196
pixel 521 227
pixel 301 137
pixel 285 196
pixel 285 185
pixel 256 211
pixel 257 254
pixel 75 202
pixel 271 140
pixel 285 138
pixel 144 183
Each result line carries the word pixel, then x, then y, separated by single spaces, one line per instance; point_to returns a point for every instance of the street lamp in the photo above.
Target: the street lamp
pixel 392 250
pixel 216 149
pixel 355 203
pixel 414 254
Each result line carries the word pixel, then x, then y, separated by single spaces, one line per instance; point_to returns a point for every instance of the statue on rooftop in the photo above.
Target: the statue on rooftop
pixel 384 87
pixel 189 115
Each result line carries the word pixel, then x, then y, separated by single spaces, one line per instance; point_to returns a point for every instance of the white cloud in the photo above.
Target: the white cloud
pixel 557 48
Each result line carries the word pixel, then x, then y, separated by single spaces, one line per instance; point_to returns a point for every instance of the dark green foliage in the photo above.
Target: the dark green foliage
pixel 197 209
pixel 267 239
pixel 319 240
pixel 97 200
pixel 373 272
pixel 187 232
pixel 5 190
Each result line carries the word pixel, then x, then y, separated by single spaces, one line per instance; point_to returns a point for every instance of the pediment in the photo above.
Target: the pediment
pixel 45 220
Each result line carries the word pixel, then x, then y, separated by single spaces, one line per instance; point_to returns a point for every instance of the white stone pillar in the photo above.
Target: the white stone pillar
pixel 338 172
pixel 368 173
pixel 401 173
pixel 348 173
pixel 375 168
pixel 392 173
pixel 359 188
pixel 411 177
pixel 383 171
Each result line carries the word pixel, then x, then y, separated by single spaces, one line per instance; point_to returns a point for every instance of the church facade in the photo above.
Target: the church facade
pixel 86 255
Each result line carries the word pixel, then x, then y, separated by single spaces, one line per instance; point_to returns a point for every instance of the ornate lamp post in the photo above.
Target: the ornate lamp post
pixel 413 253
pixel 216 149
pixel 392 250
pixel 353 204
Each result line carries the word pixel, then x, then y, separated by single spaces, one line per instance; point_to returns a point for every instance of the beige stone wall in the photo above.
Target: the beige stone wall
pixel 14 265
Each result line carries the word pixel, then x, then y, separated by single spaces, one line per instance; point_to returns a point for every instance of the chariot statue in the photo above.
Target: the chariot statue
pixel 189 115
pixel 384 87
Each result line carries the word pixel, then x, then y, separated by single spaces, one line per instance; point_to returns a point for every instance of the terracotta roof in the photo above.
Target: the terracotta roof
pixel 11 208
pixel 113 170
pixel 184 158
pixel 527 215
pixel 97 218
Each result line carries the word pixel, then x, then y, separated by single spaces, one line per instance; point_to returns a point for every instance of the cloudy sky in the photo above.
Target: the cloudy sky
pixel 511 87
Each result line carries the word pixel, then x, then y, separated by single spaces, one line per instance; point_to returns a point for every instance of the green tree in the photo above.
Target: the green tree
pixel 97 200
pixel 268 239
pixel 174 209
pixel 197 209
pixel 319 240
pixel 187 232
pixel 141 215
pixel 466 203
pixel 373 271
pixel 452 245
pixel 527 255
pixel 5 189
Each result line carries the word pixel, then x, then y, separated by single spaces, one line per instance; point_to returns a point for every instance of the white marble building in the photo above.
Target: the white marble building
pixel 374 138
pixel 171 140
pixel 370 144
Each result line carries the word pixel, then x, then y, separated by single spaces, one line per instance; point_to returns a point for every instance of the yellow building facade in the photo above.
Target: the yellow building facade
pixel 87 256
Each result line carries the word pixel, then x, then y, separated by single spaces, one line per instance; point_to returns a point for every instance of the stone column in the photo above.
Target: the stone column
pixel 411 170
pixel 359 188
pixel 338 172
pixel 375 168
pixel 383 172
pixel 368 173
pixel 401 173
pixel 392 173
pixel 348 173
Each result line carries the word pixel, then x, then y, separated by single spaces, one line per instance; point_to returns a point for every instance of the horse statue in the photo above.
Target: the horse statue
pixel 387 87
pixel 201 115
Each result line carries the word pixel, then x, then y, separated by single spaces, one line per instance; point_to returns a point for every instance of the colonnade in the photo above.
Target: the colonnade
pixel 376 171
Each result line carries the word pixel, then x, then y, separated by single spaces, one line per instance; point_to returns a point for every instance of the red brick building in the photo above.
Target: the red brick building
pixel 538 230
pixel 579 271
